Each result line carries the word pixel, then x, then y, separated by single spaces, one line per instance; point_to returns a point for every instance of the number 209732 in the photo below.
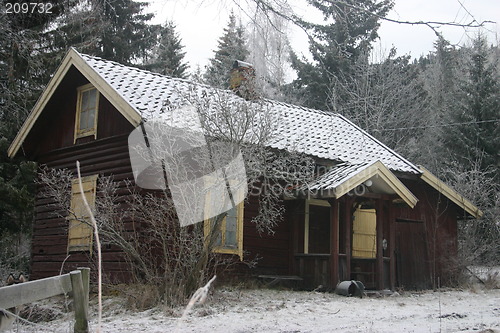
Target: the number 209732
pixel 28 8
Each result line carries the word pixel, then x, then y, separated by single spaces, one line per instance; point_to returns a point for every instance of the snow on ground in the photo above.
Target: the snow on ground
pixel 265 310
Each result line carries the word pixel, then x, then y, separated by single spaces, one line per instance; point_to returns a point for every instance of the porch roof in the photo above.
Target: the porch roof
pixel 373 177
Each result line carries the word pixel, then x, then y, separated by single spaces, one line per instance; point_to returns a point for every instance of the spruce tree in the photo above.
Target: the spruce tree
pixel 232 46
pixel 126 37
pixel 475 136
pixel 336 47
pixel 21 79
pixel 167 59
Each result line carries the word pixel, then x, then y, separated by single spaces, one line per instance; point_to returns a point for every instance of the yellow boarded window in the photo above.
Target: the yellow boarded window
pixel 364 231
pixel 86 111
pixel 228 238
pixel 80 229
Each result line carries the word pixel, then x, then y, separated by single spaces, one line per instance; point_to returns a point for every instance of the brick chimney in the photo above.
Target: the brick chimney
pixel 242 80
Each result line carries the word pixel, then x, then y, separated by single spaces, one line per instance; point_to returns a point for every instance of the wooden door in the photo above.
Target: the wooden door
pixel 412 264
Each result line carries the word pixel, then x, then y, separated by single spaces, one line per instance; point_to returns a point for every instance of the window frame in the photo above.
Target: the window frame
pixel 238 250
pixel 79 227
pixel 311 202
pixel 79 99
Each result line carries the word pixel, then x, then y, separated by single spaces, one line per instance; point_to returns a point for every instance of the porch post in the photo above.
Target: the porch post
pixel 347 235
pixel 392 246
pixel 291 214
pixel 334 242
pixel 379 266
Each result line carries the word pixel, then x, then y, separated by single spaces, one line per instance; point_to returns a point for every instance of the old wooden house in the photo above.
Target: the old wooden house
pixel 373 216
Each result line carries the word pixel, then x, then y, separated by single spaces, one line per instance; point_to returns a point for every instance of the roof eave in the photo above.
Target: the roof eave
pixel 450 193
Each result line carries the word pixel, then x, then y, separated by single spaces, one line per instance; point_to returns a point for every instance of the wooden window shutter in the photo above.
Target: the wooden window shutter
pixel 364 244
pixel 80 232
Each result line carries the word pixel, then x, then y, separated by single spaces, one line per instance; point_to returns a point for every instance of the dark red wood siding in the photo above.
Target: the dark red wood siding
pixel 271 251
pixel 429 232
pixel 51 143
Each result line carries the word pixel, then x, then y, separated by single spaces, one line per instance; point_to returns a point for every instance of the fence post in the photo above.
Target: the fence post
pixel 86 286
pixel 81 309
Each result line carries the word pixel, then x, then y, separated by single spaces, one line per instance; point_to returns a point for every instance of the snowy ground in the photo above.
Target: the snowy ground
pixel 263 310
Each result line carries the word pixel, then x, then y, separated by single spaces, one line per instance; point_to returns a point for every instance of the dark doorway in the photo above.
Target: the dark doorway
pixel 319 229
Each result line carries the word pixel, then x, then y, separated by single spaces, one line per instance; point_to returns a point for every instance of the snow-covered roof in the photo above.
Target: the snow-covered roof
pixel 317 133
pixel 337 175
pixel 358 179
pixel 140 96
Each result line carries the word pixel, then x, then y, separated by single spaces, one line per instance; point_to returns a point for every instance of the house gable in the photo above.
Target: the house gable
pixel 51 124
pixel 60 94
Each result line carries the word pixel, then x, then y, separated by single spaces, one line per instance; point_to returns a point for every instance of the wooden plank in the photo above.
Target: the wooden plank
pixel 79 298
pixel 348 230
pixel 306 228
pixel 334 243
pixel 392 248
pixel 32 291
pixel 290 222
pixel 281 277
pixel 379 266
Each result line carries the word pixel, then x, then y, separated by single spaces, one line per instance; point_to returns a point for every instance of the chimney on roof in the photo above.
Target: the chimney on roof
pixel 242 80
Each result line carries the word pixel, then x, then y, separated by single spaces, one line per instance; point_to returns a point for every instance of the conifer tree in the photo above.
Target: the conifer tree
pixel 126 37
pixel 20 81
pixel 169 55
pixel 475 137
pixel 336 47
pixel 231 47
pixel 31 47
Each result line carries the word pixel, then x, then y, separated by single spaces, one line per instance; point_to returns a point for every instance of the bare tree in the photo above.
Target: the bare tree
pixel 269 50
pixel 384 98
pixel 478 239
pixel 276 7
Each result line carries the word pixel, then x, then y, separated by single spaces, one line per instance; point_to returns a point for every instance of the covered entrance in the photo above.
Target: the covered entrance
pixel 347 230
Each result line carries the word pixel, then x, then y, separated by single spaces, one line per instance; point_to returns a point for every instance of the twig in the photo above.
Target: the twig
pixel 98 243
pixel 440 314
pixel 15 315
pixel 475 275
pixel 62 265
pixel 199 297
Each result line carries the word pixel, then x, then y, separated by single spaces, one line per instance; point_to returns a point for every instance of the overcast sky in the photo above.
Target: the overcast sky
pixel 201 22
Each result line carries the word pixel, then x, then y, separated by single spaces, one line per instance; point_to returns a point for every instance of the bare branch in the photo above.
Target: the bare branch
pixel 98 243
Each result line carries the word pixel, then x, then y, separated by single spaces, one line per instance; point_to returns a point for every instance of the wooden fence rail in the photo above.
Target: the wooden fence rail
pixel 76 282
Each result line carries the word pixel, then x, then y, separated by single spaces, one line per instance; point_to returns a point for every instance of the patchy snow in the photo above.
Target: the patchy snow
pixel 263 310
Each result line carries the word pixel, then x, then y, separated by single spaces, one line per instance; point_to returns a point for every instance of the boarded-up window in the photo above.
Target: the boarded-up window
pixel 364 231
pixel 86 111
pixel 80 229
pixel 228 237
